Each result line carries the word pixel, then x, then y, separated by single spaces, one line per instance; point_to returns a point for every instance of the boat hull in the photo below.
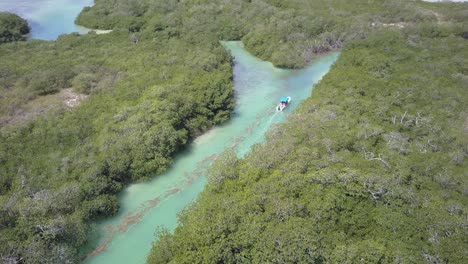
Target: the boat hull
pixel 280 107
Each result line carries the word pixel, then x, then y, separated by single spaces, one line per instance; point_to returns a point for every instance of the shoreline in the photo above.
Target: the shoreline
pixel 84 30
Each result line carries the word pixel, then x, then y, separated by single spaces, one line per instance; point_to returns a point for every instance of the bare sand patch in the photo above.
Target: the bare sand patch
pixel 41 105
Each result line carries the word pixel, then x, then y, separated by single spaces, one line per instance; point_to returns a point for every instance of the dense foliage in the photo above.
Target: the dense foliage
pixel 287 33
pixel 12 27
pixel 371 169
pixel 145 101
pixel 161 78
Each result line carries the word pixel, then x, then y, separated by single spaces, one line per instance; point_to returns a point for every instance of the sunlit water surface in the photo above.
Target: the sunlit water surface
pixel 48 18
pixel 127 237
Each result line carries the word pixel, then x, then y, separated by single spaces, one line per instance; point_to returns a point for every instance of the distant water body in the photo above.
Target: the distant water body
pixel 48 18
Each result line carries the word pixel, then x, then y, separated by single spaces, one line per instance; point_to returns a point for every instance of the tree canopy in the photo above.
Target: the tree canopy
pixel 377 153
pixel 12 27
pixel 370 169
pixel 61 166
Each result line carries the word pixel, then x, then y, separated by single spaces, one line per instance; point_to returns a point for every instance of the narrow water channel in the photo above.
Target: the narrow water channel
pixel 127 237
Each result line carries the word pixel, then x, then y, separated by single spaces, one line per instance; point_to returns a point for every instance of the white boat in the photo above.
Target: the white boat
pixel 284 101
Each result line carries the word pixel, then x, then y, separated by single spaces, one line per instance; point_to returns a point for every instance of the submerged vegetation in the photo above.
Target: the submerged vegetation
pixel 372 167
pixel 62 169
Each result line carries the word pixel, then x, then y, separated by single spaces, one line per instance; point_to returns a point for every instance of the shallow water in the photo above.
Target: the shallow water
pixel 48 18
pixel 127 237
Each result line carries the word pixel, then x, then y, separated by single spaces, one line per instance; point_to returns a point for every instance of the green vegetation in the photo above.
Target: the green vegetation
pixel 287 33
pixel 377 156
pixel 370 169
pixel 12 27
pixel 63 169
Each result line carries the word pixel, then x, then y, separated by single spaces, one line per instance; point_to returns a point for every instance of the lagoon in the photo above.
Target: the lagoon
pixel 48 18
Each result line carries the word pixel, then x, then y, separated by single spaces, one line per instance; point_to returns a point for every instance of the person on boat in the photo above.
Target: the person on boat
pixel 284 100
pixel 283 103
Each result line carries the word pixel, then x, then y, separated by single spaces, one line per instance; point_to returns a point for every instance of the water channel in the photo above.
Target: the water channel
pixel 127 237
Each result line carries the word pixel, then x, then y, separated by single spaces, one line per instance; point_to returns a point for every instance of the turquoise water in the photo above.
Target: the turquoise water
pixel 48 18
pixel 127 237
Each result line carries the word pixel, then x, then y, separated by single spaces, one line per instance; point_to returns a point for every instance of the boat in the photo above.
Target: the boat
pixel 284 101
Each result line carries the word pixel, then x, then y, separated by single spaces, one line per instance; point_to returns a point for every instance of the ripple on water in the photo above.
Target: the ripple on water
pixel 127 237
